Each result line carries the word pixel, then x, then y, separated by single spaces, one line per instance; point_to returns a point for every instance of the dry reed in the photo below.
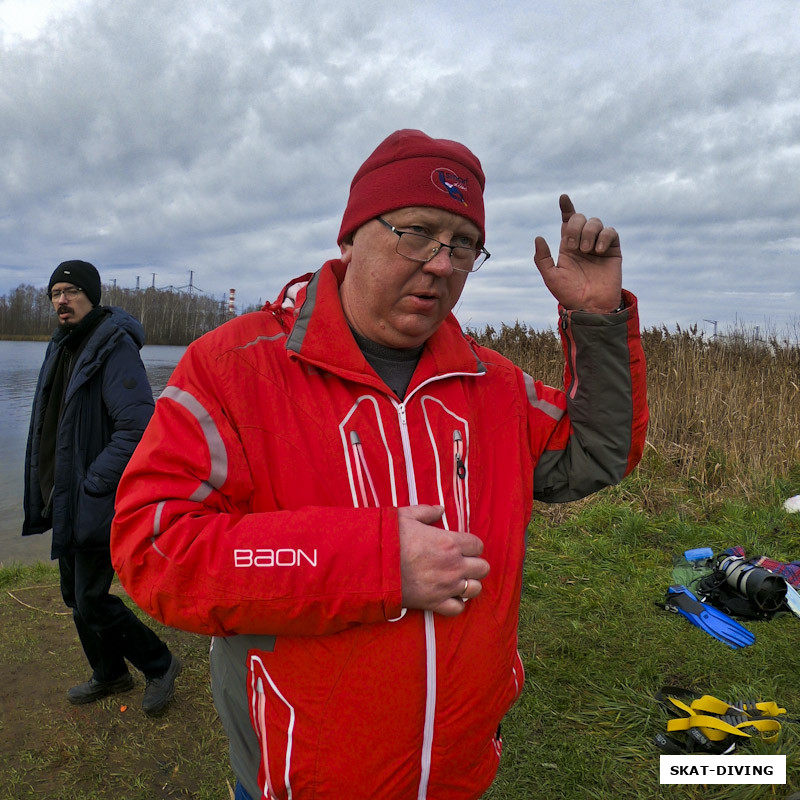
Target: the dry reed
pixel 724 412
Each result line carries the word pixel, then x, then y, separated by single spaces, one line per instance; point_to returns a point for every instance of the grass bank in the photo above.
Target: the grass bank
pixel 594 644
pixel 50 750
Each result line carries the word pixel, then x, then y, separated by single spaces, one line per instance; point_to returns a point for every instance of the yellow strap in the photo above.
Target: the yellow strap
pixel 714 724
pixel 711 705
pixel 717 729
pixel 681 705
pixel 770 709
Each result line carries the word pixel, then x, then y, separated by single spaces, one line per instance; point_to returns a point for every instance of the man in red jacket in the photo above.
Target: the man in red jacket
pixel 337 487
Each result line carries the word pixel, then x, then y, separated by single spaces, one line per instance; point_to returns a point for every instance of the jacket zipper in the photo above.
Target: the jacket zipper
pixel 430 633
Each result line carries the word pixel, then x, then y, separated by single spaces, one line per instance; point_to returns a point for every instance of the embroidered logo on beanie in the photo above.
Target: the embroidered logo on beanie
pixel 445 180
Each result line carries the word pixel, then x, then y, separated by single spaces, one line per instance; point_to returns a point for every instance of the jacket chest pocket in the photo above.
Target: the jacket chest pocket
pixel 373 454
pixel 407 455
pixel 448 455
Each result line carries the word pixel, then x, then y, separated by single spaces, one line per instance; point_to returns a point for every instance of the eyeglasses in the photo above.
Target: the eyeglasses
pixel 70 293
pixel 421 248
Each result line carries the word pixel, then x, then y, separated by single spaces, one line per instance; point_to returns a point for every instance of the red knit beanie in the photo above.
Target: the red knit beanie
pixel 408 168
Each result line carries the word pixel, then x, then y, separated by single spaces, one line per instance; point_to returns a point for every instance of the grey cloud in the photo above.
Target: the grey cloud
pixel 162 138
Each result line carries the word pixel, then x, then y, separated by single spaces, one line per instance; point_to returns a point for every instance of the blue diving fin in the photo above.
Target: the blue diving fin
pixel 708 618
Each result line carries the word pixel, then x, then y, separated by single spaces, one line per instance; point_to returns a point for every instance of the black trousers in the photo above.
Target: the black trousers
pixel 109 631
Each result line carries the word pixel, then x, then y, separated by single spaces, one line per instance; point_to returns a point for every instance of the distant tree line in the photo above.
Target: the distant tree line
pixel 169 316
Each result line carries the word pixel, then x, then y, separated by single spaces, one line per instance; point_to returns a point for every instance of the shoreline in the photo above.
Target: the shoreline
pixel 18 550
pixel 16 565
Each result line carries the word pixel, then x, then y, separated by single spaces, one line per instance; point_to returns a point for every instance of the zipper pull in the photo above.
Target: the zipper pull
pixel 458 440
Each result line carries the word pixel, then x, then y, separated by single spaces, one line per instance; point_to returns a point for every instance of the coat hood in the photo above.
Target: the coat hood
pixel 128 323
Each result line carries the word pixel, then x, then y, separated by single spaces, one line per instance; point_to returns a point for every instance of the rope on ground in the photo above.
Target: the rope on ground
pixel 34 608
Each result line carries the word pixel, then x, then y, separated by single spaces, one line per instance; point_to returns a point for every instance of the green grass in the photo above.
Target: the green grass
pixel 595 644
pixel 597 647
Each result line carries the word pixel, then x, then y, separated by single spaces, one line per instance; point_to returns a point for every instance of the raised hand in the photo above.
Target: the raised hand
pixel 440 569
pixel 588 274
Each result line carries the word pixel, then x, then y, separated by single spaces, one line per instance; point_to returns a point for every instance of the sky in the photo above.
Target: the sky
pixel 173 142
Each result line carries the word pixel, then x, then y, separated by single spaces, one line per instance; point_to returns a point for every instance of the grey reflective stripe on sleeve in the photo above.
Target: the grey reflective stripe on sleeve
pixel 260 339
pixel 601 413
pixel 552 411
pixel 216 447
pixel 157 528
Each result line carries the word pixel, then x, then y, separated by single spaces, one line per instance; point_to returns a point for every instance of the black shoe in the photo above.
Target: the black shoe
pixel 159 691
pixel 95 690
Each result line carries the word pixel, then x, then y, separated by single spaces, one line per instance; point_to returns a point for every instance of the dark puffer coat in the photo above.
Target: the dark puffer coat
pixel 107 405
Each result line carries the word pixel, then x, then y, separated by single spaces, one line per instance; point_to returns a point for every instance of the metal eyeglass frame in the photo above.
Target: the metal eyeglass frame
pixel 437 249
pixel 71 292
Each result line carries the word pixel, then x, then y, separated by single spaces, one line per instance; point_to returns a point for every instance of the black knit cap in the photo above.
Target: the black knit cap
pixel 81 274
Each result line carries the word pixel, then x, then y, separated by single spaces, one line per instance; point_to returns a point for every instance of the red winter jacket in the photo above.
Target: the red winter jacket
pixel 263 499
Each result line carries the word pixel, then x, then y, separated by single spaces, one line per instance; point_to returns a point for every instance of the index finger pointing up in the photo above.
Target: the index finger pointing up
pixel 567 209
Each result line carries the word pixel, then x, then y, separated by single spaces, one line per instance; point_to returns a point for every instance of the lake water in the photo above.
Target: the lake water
pixel 19 370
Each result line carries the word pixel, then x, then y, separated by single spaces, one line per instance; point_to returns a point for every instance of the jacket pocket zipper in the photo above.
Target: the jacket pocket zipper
pixel 459 480
pixel 362 472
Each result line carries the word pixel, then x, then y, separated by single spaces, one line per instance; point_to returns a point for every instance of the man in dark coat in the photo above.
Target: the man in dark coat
pixel 92 403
